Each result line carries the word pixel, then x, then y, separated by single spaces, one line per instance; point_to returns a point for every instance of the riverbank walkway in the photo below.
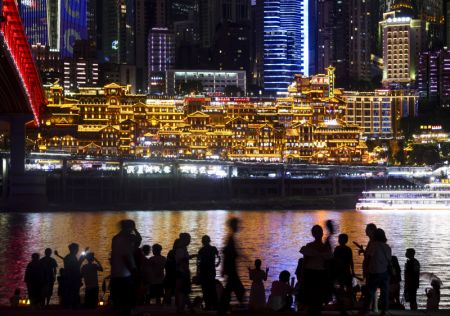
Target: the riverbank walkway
pixel 169 311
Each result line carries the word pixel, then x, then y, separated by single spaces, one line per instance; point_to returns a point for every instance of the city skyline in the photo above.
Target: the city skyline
pixel 388 61
pixel 272 40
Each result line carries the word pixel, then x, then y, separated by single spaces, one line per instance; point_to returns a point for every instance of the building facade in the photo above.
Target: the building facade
pixel 433 77
pixel 403 40
pixel 379 113
pixel 208 81
pixel 161 58
pixel 306 125
pixel 54 23
pixel 285 42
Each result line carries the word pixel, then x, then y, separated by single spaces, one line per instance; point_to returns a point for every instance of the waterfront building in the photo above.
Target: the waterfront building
pixel 403 40
pixel 430 134
pixel 306 125
pixel 433 77
pixel 379 113
pixel 209 81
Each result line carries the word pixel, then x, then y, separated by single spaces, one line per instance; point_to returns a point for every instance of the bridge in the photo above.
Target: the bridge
pixel 21 94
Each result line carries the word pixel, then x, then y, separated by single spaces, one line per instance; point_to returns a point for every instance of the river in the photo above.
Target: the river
pixel 273 236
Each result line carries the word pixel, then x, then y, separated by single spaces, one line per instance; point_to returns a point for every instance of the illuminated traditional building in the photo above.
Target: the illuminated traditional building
pixel 306 125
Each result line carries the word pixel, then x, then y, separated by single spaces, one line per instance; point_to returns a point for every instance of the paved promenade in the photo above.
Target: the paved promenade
pixel 152 311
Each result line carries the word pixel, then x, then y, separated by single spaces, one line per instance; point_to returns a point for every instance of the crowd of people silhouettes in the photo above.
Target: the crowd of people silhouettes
pixel 325 276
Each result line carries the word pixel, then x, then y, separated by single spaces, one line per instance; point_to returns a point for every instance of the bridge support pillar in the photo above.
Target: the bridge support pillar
pixel 17 137
pixel 26 191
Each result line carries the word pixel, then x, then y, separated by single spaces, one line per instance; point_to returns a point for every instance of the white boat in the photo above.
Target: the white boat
pixel 435 196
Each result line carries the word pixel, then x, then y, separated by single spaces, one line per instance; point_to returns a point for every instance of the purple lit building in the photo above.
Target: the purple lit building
pixel 433 76
pixel 161 57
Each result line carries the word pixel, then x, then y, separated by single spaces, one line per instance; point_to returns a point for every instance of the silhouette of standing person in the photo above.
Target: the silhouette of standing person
pixel 123 267
pixel 157 263
pixel 34 279
pixel 49 266
pixel 90 276
pixel 170 277
pixel 395 279
pixel 230 256
pixel 412 276
pixel 257 291
pixel 316 255
pixel 206 271
pixel 183 274
pixel 72 266
pixel 378 256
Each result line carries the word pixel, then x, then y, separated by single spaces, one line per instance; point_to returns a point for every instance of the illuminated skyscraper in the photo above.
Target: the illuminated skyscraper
pixel 403 40
pixel 285 42
pixel 34 18
pixel 161 57
pixel 433 77
pixel 56 23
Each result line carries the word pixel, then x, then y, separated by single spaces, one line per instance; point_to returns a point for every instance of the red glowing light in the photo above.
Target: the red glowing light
pixel 13 35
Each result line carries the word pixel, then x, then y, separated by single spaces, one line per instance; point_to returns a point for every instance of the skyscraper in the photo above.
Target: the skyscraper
pixel 214 12
pixel 431 12
pixel 360 38
pixel 433 77
pixel 447 22
pixel 161 57
pixel 403 40
pixel 56 23
pixel 285 42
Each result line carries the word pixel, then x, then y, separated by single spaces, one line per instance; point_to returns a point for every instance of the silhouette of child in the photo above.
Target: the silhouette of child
pixel 412 275
pixel 343 263
pixel 257 291
pixel 15 299
pixel 89 273
pixel 433 295
pixel 280 298
pixel 157 263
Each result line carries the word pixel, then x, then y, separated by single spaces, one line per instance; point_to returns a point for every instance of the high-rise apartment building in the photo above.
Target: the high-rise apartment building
pixel 403 40
pixel 342 37
pixel 360 39
pixel 213 12
pixel 447 22
pixel 433 77
pixel 431 12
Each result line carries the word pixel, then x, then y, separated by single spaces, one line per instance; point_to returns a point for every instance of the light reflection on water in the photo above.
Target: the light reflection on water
pixel 273 236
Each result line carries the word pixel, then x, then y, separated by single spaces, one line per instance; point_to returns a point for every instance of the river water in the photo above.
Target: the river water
pixel 273 236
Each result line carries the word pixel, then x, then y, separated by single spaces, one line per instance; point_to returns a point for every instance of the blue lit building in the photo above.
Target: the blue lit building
pixel 34 18
pixel 285 42
pixel 55 23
